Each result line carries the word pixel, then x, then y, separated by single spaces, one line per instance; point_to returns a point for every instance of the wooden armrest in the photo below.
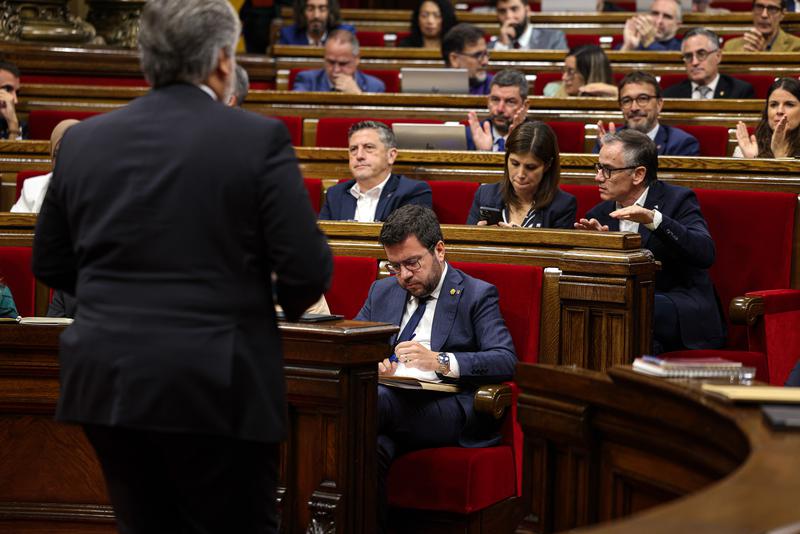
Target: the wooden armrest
pixel 746 310
pixel 493 399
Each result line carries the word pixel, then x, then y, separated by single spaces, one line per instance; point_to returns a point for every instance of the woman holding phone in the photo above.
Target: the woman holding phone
pixel 528 196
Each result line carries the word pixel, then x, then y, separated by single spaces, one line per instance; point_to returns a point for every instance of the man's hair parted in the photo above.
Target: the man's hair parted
pixel 638 150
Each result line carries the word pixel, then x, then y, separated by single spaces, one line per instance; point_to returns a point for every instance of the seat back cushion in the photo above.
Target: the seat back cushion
pixel 295 126
pixel 42 121
pixel 452 200
pixel 713 139
pixel 314 188
pixel 332 131
pixel 588 196
pixel 352 278
pixel 15 271
pixel 570 136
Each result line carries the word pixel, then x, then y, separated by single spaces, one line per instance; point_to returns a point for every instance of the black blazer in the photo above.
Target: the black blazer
pixel 727 87
pixel 559 214
pixel 165 219
pixel 340 205
pixel 686 251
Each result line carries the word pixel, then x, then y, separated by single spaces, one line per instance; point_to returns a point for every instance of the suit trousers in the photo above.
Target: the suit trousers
pixel 666 325
pixel 174 483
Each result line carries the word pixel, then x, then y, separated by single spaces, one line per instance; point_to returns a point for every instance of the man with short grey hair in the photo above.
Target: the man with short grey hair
pixel 176 221
pixel 508 107
pixel 240 88
pixel 340 72
pixel 374 192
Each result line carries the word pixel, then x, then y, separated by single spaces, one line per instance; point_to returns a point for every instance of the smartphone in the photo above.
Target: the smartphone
pixel 492 216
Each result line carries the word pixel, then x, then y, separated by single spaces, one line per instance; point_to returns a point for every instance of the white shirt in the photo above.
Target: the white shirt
pixel 712 86
pixel 367 201
pixel 208 90
pixel 631 226
pixel 33 191
pixel 523 40
pixel 422 334
pixel 652 133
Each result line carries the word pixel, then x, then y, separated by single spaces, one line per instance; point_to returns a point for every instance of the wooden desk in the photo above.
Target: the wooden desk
pixel 602 446
pixel 50 480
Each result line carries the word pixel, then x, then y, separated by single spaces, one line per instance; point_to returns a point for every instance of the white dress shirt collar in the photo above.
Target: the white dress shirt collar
pixel 712 86
pixel 208 90
pixel 630 226
pixel 367 201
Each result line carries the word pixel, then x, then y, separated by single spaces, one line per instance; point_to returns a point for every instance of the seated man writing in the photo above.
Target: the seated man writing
pixel 450 328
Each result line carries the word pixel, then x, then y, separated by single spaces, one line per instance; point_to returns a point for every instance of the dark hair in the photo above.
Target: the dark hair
pixel 783 4
pixel 408 220
pixel 764 132
pixel 592 63
pixel 639 76
pixel 703 32
pixel 385 134
pixel 511 78
pixel 13 69
pixel 334 18
pixel 457 39
pixel 638 150
pixel 448 21
pixel 539 140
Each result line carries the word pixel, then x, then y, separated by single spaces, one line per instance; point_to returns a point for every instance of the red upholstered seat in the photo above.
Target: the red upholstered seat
pixel 58 79
pixel 24 175
pixel 542 79
pixel 452 200
pixel 588 196
pixel 713 139
pixel 570 136
pixel 468 481
pixel 760 82
pixel 391 78
pixel 368 38
pixel 314 188
pixel 579 39
pixel 295 126
pixel 753 258
pixel 15 271
pixel 42 121
pixel 352 278
pixel 332 131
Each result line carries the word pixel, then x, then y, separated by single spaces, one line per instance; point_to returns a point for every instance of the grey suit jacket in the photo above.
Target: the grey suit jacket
pixel 542 40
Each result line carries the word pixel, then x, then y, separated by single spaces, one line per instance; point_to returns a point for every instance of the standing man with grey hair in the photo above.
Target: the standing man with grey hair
pixel 668 217
pixel 375 191
pixel 508 108
pixel 174 221
pixel 701 55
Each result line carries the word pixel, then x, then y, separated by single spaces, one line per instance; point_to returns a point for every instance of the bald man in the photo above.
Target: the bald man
pixel 34 189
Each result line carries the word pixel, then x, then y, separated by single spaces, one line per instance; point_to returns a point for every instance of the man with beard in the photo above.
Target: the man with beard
pixel 654 31
pixel 686 313
pixel 701 55
pixel 766 34
pixel 508 107
pixel 641 101
pixel 464 47
pixel 451 329
pixel 315 19
pixel 516 32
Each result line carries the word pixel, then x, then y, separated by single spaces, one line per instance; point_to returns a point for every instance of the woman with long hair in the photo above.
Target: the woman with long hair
pixel 586 72
pixel 777 134
pixel 430 21
pixel 529 195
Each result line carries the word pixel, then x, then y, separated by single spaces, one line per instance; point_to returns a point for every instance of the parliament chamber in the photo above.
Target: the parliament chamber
pixel 588 444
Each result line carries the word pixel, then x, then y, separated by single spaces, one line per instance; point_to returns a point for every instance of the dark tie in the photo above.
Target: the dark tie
pixel 516 45
pixel 413 322
pixel 500 144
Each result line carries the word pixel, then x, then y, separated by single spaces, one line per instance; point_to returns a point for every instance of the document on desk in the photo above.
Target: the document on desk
pixel 407 382
pixel 46 321
pixel 755 394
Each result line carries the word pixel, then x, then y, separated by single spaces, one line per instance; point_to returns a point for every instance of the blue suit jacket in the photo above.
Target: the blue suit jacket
pixel 292 35
pixel 340 205
pixel 317 80
pixel 559 214
pixel 467 323
pixel 658 46
pixel 670 141
pixel 686 251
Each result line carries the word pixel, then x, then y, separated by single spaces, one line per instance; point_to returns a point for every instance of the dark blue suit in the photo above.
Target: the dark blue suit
pixel 559 214
pixel 317 80
pixel 340 205
pixel 292 35
pixel 659 46
pixel 670 141
pixel 686 251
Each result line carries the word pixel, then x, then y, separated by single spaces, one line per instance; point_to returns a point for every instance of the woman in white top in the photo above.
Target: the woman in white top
pixel 777 134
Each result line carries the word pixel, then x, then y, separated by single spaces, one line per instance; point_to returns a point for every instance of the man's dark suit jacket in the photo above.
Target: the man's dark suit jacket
pixel 559 214
pixel 670 141
pixel 293 35
pixel 686 251
pixel 166 230
pixel 727 87
pixel 340 205
pixel 467 323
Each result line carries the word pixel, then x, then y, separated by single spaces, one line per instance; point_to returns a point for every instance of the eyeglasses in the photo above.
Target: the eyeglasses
pixel 568 72
pixel 641 100
pixel 608 171
pixel 479 55
pixel 771 10
pixel 701 55
pixel 412 265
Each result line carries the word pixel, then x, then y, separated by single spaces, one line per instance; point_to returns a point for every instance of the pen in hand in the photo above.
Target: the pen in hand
pixel 393 357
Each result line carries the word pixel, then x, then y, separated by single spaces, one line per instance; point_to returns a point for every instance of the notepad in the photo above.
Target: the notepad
pixel 692 368
pixel 46 321
pixel 755 394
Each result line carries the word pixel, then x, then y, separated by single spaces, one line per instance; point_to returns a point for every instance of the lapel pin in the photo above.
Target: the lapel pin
pixel 452 291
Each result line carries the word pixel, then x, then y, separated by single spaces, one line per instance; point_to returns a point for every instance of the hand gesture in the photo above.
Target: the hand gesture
pixel 346 84
pixel 633 213
pixel 591 224
pixel 646 29
pixel 599 89
pixel 507 33
pixel 779 143
pixel 415 355
pixel 8 110
pixel 754 41
pixel 519 117
pixel 747 142
pixel 601 130
pixel 387 367
pixel 630 35
pixel 481 135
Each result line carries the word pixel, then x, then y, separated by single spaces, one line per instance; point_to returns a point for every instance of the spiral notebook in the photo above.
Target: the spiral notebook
pixel 692 368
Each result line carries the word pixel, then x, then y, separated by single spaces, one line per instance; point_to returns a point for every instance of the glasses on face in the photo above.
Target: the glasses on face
pixel 701 55
pixel 608 171
pixel 641 100
pixel 771 10
pixel 568 72
pixel 477 56
pixel 412 265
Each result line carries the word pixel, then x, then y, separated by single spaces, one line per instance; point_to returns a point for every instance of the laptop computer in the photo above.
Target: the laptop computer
pixel 436 81
pixel 450 136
